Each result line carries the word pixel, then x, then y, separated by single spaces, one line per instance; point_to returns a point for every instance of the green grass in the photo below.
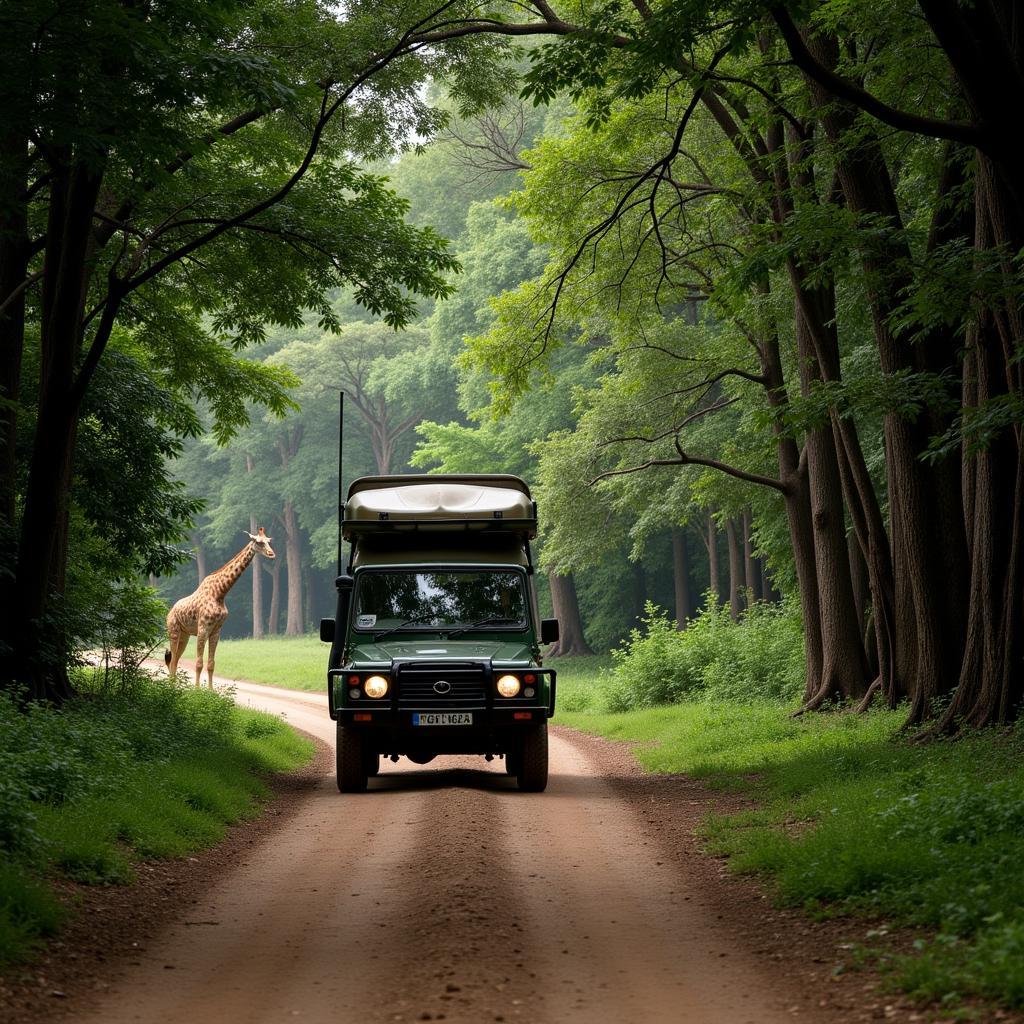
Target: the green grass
pixel 292 662
pixel 111 779
pixel 855 818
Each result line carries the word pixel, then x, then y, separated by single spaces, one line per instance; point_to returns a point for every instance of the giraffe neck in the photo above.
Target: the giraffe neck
pixel 224 579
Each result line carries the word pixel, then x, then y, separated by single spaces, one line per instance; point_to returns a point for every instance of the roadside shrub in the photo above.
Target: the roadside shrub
pixel 652 666
pixel 158 720
pixel 760 657
pixel 143 768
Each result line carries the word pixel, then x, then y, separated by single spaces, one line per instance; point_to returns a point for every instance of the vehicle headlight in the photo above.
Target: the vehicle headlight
pixel 375 686
pixel 508 686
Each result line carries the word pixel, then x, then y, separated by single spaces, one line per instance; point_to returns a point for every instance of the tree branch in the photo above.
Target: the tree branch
pixel 30 280
pixel 957 131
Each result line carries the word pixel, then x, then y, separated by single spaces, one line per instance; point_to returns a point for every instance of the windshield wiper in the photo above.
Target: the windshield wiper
pixel 408 622
pixel 491 620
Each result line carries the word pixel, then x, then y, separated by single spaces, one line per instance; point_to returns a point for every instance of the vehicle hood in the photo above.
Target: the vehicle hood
pixel 502 651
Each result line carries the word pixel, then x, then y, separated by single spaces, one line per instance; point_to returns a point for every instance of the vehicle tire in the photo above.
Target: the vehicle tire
pixel 372 759
pixel 532 769
pixel 350 761
pixel 512 762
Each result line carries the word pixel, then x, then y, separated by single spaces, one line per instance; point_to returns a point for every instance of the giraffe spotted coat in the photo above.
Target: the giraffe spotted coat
pixel 203 612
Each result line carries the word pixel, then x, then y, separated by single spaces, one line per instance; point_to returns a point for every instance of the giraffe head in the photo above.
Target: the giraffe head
pixel 262 543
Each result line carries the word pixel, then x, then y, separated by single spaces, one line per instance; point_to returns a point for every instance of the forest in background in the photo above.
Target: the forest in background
pixel 760 262
pixel 415 403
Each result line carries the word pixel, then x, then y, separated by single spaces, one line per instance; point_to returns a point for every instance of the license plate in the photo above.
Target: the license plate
pixel 443 718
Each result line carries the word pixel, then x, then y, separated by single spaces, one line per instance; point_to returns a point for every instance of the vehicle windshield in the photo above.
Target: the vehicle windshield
pixel 385 600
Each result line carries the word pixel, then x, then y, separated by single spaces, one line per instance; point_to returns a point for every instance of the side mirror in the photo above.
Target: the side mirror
pixel 327 631
pixel 548 631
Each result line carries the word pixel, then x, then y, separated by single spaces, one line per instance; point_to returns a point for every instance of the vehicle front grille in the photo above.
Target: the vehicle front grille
pixel 416 684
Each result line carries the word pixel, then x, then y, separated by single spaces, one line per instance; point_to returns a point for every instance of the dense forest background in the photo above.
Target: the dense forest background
pixel 415 402
pixel 737 288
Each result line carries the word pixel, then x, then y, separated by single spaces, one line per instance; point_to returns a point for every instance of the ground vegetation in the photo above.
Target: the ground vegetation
pixel 128 771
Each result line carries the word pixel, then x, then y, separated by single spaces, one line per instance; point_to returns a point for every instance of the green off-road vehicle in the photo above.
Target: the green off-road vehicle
pixel 435 646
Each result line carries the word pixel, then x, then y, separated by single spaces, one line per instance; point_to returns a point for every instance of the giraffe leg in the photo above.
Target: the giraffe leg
pixel 214 637
pixel 200 644
pixel 172 661
pixel 180 643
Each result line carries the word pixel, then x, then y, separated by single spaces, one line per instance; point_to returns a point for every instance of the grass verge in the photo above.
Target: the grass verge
pixel 292 662
pixel 112 778
pixel 855 818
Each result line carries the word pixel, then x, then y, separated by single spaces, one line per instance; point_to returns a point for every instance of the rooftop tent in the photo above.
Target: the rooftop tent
pixel 379 505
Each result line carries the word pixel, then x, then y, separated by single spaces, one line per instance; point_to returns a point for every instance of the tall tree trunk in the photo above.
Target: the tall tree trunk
pixel 714 576
pixel 274 620
pixel 571 641
pixel 293 555
pixel 257 576
pixel 14 250
pixel 737 579
pixel 310 602
pixel 818 344
pixel 681 576
pixel 992 676
pixel 862 602
pixel 36 649
pixel 929 545
pixel 843 668
pixel 201 568
pixel 797 495
pixel 638 579
pixel 381 443
pixel 751 570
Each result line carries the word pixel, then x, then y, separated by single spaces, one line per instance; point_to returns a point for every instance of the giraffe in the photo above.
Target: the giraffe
pixel 203 612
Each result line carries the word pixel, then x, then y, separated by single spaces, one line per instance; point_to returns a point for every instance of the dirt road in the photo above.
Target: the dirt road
pixel 445 894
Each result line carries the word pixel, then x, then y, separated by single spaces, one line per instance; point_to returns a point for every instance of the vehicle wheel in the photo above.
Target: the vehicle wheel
pixel 532 767
pixel 372 759
pixel 351 764
pixel 512 760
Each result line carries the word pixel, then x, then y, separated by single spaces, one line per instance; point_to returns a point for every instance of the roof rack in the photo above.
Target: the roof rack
pixel 439 504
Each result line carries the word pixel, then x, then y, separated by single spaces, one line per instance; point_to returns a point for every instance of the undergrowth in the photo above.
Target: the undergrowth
pixel 147 770
pixel 759 657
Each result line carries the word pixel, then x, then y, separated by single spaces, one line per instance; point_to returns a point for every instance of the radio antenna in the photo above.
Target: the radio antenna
pixel 341 460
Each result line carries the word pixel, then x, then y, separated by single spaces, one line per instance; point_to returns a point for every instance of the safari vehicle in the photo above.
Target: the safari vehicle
pixel 435 645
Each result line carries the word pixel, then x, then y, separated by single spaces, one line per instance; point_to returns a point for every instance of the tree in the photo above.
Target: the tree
pixel 158 188
pixel 730 61
pixel 385 376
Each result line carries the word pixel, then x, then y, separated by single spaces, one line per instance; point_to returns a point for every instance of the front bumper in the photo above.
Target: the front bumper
pixel 491 732
pixel 390 724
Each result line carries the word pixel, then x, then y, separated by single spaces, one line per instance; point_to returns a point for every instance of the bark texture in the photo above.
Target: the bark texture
pixel 293 557
pixel 681 576
pixel 737 579
pixel 571 641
